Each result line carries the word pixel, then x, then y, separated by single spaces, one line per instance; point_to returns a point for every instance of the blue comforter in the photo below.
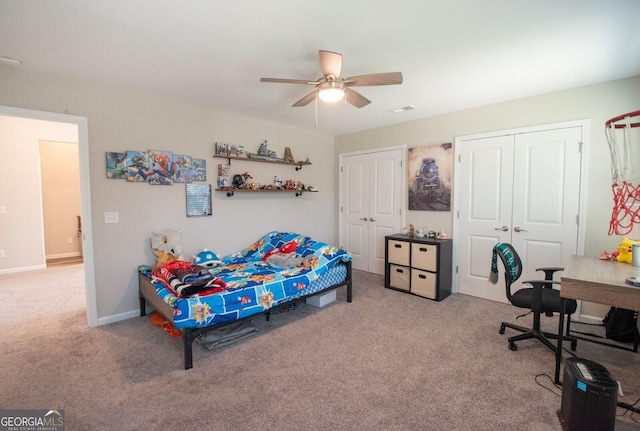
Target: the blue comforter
pixel 254 286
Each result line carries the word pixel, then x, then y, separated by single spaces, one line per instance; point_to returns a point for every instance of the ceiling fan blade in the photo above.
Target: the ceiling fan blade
pixel 330 63
pixel 285 81
pixel 305 100
pixel 355 98
pixel 389 78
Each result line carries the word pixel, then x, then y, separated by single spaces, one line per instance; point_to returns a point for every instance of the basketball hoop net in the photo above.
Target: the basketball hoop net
pixel 626 196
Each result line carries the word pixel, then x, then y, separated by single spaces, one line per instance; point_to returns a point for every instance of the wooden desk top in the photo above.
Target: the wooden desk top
pixel 601 281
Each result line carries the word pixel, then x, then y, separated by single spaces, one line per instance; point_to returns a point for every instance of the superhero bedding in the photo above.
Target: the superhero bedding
pixel 244 284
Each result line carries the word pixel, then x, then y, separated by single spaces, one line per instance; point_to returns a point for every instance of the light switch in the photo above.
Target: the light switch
pixel 112 217
pixel 3 210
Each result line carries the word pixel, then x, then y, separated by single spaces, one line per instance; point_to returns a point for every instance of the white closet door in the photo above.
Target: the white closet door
pixel 355 209
pixel 486 189
pixel 547 196
pixel 372 196
pixel 519 188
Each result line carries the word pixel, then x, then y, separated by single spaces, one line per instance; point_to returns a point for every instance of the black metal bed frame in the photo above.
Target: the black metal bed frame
pixel 189 335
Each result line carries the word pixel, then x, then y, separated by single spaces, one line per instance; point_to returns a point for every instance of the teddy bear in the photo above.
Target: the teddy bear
pixel 167 245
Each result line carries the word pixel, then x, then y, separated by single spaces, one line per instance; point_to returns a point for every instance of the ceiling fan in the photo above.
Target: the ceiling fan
pixel 332 87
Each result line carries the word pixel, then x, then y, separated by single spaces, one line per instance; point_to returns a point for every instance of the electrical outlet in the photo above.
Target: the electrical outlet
pixel 1 253
pixel 112 217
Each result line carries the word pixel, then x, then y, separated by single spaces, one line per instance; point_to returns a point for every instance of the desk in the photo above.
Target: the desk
pixel 594 280
pixel 601 281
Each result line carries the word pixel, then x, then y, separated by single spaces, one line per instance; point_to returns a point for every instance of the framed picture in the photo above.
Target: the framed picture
pixel 198 200
pixel 430 177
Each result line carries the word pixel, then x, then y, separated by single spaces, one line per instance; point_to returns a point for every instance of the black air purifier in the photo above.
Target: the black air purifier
pixel 589 397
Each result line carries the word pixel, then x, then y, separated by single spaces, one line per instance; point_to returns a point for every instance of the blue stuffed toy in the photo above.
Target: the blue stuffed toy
pixel 207 258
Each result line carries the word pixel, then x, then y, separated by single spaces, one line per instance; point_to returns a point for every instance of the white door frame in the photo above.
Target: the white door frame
pixel 403 186
pixel 582 211
pixel 85 194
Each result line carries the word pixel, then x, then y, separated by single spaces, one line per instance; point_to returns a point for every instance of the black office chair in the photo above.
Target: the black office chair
pixel 541 298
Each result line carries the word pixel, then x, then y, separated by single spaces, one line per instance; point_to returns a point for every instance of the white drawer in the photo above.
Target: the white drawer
pixel 423 283
pixel 399 252
pixel 424 256
pixel 399 277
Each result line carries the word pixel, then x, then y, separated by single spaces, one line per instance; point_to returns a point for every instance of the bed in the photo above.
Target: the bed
pixel 253 286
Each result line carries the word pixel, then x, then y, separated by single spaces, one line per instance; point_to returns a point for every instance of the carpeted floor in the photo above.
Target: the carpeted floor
pixel 386 361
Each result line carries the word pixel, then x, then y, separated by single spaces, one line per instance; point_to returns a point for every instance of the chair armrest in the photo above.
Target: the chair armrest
pixel 538 285
pixel 549 271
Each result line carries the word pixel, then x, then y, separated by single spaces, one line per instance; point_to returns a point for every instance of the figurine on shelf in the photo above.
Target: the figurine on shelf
pixel 264 153
pixel 412 231
pixel 288 156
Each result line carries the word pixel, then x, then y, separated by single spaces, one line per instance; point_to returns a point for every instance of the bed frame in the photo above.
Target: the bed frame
pixel 147 294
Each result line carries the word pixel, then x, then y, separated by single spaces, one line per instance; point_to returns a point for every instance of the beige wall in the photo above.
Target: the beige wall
pixel 59 163
pixel 21 228
pixel 596 103
pixel 120 120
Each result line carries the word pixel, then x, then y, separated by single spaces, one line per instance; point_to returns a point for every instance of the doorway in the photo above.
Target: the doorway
pixel 372 189
pixel 61 203
pixel 523 187
pixel 81 125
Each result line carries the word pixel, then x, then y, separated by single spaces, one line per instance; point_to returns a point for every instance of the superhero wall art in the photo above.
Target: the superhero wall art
pixel 155 167
pixel 430 177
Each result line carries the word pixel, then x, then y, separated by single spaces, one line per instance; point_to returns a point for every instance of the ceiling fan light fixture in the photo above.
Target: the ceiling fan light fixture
pixel 331 94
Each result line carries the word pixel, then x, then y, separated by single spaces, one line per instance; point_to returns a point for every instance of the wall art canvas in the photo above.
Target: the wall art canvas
pixel 182 168
pixel 198 169
pixel 430 177
pixel 137 163
pixel 162 168
pixel 116 165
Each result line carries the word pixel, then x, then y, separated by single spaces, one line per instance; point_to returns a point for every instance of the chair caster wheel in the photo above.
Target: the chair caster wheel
pixel 502 328
pixel 513 347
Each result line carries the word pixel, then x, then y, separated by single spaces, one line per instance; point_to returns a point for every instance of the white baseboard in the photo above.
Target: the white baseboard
pixel 583 318
pixel 63 255
pixel 118 317
pixel 22 269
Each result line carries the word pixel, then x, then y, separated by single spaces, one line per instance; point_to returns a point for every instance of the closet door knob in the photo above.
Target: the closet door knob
pixel 371 219
pixel 518 229
pixel 503 228
pixel 364 218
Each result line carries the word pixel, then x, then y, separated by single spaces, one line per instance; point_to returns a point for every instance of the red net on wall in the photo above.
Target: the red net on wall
pixel 626 195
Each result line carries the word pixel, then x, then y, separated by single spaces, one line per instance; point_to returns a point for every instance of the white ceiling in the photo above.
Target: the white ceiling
pixel 454 54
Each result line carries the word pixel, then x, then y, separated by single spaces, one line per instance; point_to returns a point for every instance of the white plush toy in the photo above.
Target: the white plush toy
pixel 287 260
pixel 167 245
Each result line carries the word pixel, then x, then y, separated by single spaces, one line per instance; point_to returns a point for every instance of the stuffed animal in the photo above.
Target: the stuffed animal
pixel 289 247
pixel 624 250
pixel 286 260
pixel 167 245
pixel 207 258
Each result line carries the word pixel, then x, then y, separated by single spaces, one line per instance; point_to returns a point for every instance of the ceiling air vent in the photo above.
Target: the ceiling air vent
pixel 404 109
